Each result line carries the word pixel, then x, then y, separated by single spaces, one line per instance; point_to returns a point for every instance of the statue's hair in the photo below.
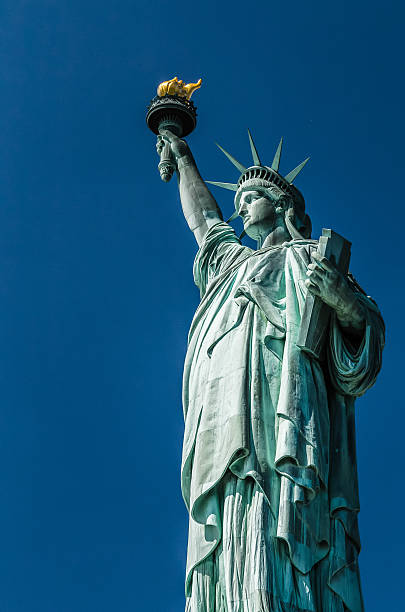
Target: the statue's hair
pixel 295 214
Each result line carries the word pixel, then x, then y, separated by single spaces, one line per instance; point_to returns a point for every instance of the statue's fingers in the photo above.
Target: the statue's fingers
pixel 328 264
pixel 316 276
pixel 316 267
pixel 163 134
pixel 316 260
pixel 323 262
pixel 168 135
pixel 313 287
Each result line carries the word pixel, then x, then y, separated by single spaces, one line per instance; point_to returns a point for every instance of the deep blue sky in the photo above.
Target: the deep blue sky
pixel 96 268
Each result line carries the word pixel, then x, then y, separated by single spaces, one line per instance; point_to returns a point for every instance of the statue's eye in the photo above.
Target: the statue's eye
pixel 252 197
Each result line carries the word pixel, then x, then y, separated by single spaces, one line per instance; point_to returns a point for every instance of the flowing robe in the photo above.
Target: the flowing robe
pixel 258 409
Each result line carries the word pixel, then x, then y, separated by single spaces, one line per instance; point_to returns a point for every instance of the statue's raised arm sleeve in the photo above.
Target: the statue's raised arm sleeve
pixel 220 249
pixel 353 369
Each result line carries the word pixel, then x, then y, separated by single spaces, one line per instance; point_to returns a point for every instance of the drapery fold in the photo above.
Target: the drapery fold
pixel 257 407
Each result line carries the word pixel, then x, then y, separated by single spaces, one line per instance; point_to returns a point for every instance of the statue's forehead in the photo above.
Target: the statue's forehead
pixel 252 189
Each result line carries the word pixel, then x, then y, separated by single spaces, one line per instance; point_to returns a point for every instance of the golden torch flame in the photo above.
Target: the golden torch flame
pixel 174 87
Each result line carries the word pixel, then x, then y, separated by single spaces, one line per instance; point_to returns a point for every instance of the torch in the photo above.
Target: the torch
pixel 172 110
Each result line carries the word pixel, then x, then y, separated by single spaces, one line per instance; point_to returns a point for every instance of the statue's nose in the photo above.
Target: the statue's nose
pixel 243 209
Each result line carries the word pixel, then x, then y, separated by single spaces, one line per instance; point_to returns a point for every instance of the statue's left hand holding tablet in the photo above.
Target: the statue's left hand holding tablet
pixel 325 281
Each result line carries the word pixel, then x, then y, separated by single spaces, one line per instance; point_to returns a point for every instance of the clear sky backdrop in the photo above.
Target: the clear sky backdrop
pixel 96 261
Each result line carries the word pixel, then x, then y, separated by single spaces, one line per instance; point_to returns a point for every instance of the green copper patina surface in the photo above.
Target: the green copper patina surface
pixel 269 464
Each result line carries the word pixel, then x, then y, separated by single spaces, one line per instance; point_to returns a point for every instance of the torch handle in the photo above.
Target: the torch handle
pixel 166 165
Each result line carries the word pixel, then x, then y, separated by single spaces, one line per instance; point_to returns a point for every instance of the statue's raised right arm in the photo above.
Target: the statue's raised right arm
pixel 199 206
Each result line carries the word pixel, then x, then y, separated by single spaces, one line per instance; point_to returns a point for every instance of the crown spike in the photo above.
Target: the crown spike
pixel 230 186
pixel 291 175
pixel 276 161
pixel 234 161
pixel 255 154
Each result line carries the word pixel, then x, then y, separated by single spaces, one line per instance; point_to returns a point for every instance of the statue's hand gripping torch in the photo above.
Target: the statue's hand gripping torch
pixel 171 110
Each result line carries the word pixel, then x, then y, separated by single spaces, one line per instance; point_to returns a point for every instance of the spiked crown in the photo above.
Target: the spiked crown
pixel 260 176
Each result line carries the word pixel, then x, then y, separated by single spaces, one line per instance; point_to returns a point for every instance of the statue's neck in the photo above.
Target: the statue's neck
pixel 277 235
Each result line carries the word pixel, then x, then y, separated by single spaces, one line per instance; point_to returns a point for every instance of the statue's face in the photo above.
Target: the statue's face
pixel 258 213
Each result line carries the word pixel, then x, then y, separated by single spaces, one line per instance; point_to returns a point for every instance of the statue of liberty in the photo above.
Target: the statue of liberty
pixel 269 470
